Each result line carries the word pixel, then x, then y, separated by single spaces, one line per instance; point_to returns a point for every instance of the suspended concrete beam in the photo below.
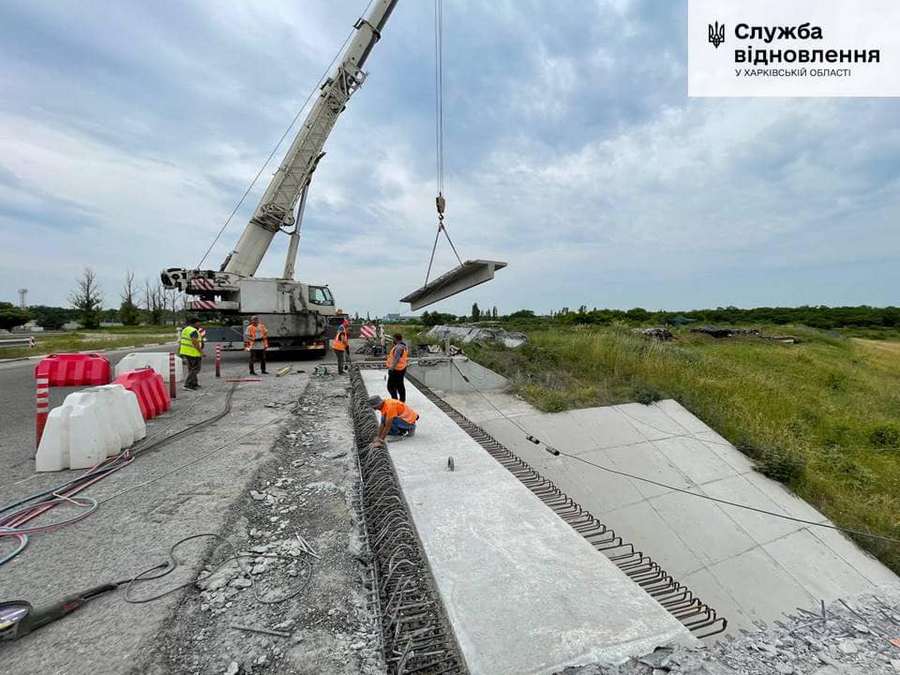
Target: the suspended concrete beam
pixel 469 274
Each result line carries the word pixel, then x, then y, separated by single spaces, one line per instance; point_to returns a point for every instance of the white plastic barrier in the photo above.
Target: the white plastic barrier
pixel 159 361
pixel 88 427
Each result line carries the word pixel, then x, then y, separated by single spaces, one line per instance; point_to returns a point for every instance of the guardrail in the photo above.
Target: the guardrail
pixel 27 341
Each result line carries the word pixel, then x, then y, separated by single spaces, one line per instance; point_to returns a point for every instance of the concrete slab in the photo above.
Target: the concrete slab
pixel 703 526
pixel 645 459
pixel 642 525
pixel 726 451
pixel 481 410
pixel 607 427
pixel 606 491
pixel 447 379
pixel 694 459
pixel 723 552
pixel 760 527
pixel 524 592
pixel 652 422
pixel 867 565
pixel 760 587
pixel 815 566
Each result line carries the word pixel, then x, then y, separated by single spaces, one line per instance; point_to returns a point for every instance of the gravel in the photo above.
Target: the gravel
pixel 296 531
pixel 855 637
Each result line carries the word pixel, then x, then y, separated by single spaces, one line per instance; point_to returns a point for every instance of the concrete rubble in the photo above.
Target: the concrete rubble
pixel 296 533
pixel 852 637
pixel 468 334
pixel 655 333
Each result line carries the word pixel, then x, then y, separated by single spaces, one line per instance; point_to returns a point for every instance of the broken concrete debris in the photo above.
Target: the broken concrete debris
pixel 655 333
pixel 468 334
pixel 298 524
pixel 844 638
pixel 726 332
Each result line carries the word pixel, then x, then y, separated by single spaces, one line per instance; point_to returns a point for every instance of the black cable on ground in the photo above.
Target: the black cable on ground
pixel 173 563
pixel 57 494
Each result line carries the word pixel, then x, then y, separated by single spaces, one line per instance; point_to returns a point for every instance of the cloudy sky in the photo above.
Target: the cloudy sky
pixel 129 129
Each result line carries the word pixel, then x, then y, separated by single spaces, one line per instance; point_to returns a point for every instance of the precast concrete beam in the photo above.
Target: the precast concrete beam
pixel 471 273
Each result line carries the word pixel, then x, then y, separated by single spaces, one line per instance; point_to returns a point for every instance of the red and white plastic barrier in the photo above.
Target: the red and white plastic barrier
pixel 148 386
pixel 161 362
pixel 88 427
pixel 64 370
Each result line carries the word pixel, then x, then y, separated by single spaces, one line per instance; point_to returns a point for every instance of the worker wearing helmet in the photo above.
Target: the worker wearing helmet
pixel 341 347
pixel 190 348
pixel 396 362
pixel 256 341
pixel 398 420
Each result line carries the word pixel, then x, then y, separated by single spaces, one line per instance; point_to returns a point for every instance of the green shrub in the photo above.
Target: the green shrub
pixel 782 465
pixel 885 436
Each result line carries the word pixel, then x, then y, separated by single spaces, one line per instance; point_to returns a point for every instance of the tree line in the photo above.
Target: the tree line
pixel 138 302
pixel 815 316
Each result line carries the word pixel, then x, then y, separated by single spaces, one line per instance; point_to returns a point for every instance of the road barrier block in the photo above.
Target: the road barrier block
pixel 159 361
pixel 73 370
pixel 64 370
pixel 148 386
pixel 88 427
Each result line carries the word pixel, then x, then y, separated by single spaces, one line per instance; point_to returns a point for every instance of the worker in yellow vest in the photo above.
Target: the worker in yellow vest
pixel 396 362
pixel 190 348
pixel 256 341
pixel 398 420
pixel 341 347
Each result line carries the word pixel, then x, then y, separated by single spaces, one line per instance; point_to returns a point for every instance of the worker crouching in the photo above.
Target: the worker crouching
pixel 256 341
pixel 341 347
pixel 398 420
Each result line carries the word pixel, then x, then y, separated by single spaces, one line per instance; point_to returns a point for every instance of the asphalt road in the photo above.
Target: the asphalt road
pixel 17 412
pixel 186 487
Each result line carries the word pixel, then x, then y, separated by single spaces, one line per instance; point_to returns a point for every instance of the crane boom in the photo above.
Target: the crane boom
pixel 276 208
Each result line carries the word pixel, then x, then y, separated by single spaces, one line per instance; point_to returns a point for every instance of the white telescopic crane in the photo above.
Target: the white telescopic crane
pixel 276 208
pixel 296 313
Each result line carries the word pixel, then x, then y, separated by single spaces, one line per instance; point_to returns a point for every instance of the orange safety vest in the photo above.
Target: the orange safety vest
pixel 251 336
pixel 340 342
pixel 397 364
pixel 392 408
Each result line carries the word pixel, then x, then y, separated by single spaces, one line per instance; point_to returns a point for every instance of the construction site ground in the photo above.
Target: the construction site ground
pixel 274 481
pixel 279 465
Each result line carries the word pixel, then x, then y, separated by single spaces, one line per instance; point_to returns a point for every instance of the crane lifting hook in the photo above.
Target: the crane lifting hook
pixel 441 204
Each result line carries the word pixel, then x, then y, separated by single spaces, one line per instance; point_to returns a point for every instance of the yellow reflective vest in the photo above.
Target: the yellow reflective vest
pixel 186 343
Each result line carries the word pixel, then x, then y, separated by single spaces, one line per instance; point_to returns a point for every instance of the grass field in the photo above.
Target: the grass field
pixel 87 340
pixel 822 416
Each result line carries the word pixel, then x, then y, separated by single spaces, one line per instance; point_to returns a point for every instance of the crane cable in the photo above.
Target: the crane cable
pixel 281 140
pixel 439 201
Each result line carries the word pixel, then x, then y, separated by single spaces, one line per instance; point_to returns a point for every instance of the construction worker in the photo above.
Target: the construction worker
pixel 396 362
pixel 190 348
pixel 398 420
pixel 379 338
pixel 341 347
pixel 256 341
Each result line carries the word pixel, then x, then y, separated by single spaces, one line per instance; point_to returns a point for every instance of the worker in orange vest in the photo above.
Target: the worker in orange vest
pixel 256 341
pixel 341 347
pixel 398 420
pixel 396 362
